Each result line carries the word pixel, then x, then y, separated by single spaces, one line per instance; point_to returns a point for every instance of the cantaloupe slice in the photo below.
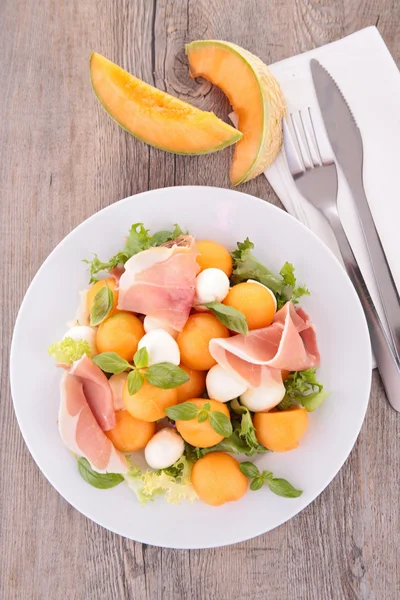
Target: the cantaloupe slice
pixel 154 116
pixel 255 96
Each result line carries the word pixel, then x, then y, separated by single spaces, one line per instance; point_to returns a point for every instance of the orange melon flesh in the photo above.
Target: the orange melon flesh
pixel 255 96
pixel 156 117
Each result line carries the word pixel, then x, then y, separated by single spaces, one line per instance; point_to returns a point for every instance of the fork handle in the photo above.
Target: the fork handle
pixel 386 358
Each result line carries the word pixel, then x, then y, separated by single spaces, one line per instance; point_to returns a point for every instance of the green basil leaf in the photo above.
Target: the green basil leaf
pixel 207 406
pixel 182 412
pixel 102 481
pixel 281 487
pixel 111 362
pixel 220 423
pixel 103 303
pixel 166 376
pixel 267 475
pixel 256 484
pixel 141 358
pixel 135 382
pixel 232 318
pixel 203 416
pixel 249 469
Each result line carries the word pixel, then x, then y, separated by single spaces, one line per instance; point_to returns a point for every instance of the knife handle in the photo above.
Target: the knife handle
pixel 383 276
pixel 387 361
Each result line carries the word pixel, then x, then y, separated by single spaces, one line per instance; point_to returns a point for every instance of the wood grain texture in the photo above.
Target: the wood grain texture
pixel 62 159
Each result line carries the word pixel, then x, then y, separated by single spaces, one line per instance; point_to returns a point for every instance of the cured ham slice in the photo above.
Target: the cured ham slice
pixel 117 273
pixel 97 391
pixel 160 282
pixel 289 343
pixel 81 432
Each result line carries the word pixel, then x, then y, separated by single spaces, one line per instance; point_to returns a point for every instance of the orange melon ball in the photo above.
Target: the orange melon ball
pixel 192 388
pixel 214 255
pixel 281 430
pixel 130 434
pixel 120 333
pixel 217 479
pixel 254 301
pixel 150 402
pixel 96 287
pixel 202 435
pixel 193 340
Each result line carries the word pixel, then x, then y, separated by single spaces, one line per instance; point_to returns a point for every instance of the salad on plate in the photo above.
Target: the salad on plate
pixel 183 362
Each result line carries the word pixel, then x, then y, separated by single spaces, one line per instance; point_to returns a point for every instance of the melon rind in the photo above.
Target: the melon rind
pixel 273 105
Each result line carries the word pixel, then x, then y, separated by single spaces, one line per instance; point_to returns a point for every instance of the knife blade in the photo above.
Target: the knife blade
pixel 347 145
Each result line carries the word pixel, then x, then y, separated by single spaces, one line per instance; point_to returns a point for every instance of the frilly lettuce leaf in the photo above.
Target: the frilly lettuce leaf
pixel 284 285
pixel 161 237
pixel 245 267
pixel 173 483
pixel 292 291
pixel 243 439
pixel 302 387
pixel 138 239
pixel 67 351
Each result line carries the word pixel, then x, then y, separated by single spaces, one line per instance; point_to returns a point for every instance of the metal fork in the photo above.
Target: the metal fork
pixel 317 181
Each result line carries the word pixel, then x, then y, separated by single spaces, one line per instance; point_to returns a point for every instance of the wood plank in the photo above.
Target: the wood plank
pixel 61 159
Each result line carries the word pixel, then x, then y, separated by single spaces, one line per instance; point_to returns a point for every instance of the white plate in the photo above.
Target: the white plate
pixel 226 216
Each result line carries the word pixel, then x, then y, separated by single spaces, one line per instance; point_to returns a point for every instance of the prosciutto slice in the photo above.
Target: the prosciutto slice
pixel 289 343
pixel 97 391
pixel 160 282
pixel 81 432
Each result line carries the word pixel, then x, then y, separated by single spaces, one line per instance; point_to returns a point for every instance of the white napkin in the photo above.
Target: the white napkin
pixel 370 81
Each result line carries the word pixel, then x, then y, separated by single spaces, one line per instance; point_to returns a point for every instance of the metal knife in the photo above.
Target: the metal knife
pixel 346 141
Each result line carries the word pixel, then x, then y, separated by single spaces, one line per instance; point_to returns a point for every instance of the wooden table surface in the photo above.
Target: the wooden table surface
pixel 62 159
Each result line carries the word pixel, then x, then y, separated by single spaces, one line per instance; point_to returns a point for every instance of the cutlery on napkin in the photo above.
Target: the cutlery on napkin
pixel 370 81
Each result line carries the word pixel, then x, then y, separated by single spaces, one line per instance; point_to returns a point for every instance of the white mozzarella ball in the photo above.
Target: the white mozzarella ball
pixel 263 398
pixel 164 449
pixel 117 384
pixel 83 332
pixel 212 285
pixel 150 323
pixel 161 347
pixel 222 386
pixel 267 288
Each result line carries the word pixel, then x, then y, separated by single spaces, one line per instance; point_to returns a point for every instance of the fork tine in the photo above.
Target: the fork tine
pixel 300 144
pixel 307 141
pixel 310 138
pixel 315 137
pixel 293 157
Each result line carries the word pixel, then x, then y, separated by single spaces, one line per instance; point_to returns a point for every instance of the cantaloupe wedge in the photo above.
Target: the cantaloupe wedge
pixel 154 116
pixel 255 96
